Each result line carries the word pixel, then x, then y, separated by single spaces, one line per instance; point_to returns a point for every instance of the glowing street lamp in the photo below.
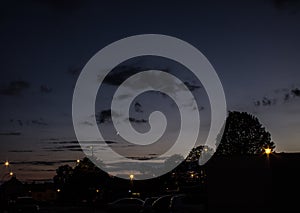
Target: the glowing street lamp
pixel 11 174
pixel 6 163
pixel 78 161
pixel 58 190
pixel 131 177
pixel 268 151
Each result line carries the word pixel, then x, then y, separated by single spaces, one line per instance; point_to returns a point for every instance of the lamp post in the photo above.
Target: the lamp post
pixel 6 174
pixel 268 151
pixel 131 177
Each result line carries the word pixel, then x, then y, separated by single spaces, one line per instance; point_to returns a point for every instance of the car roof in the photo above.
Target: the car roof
pixel 127 198
pixel 24 197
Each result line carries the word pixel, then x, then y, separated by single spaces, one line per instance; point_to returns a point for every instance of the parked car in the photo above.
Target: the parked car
pixel 147 207
pixel 162 204
pixel 125 205
pixel 25 205
pixel 187 204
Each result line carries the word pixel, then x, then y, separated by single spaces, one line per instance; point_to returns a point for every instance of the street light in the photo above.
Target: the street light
pixel 78 161
pixel 6 163
pixel 268 151
pixel 131 176
pixel 6 175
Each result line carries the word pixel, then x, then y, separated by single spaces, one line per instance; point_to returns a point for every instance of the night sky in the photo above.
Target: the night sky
pixel 254 47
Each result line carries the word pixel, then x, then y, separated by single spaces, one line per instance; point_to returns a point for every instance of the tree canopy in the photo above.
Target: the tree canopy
pixel 243 135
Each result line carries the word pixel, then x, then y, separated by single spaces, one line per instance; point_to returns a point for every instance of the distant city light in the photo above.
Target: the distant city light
pixel 58 190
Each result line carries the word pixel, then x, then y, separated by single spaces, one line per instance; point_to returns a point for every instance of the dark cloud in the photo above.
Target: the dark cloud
pixel 111 142
pixel 191 86
pixel 74 71
pixel 268 101
pixel 199 108
pixel 138 107
pixel 42 163
pixel 54 141
pixel 74 146
pixel 56 150
pixel 65 147
pixel 75 150
pixel 118 75
pixel 36 170
pixel 10 133
pixel 265 101
pixel 105 116
pixel 140 158
pixel 60 146
pixel 295 92
pixel 39 122
pixel 286 97
pixel 283 96
pixel 45 89
pixel 14 88
pixel 134 120
pixel 20 122
pixel 20 151
pixel 290 94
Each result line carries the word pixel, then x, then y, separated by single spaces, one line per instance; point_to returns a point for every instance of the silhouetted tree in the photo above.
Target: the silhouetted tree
pixel 63 175
pixel 82 182
pixel 198 151
pixel 243 135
